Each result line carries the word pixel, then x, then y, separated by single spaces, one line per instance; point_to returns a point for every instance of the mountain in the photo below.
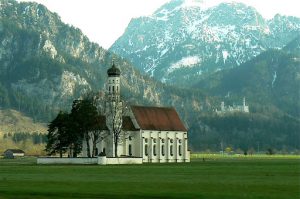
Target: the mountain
pixel 46 64
pixel 185 40
pixel 271 80
pixel 271 84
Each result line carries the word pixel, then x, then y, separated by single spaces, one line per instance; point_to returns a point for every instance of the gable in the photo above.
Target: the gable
pixel 157 118
pixel 127 124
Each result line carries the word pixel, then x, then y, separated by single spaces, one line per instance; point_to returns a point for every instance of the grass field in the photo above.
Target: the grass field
pixel 213 178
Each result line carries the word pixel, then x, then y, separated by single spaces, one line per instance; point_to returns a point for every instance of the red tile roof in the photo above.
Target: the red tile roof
pixel 158 118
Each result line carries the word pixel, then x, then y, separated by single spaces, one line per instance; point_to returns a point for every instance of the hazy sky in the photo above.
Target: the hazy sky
pixel 103 21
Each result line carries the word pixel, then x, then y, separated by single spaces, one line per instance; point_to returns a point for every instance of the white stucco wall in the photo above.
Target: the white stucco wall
pixel 125 160
pixel 176 140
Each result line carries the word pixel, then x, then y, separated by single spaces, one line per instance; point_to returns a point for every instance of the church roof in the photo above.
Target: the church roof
pixel 158 118
pixel 126 124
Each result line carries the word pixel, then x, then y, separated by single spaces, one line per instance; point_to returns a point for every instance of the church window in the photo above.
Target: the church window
pixel 130 149
pixel 154 150
pixel 146 150
pixel 179 150
pixel 163 150
pixel 171 150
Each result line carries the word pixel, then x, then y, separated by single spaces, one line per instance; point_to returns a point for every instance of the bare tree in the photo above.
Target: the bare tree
pixel 116 111
pixel 97 132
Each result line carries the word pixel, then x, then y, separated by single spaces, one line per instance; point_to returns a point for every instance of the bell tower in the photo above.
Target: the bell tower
pixel 113 109
pixel 113 84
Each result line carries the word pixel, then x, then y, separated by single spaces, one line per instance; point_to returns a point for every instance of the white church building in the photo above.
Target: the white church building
pixel 150 134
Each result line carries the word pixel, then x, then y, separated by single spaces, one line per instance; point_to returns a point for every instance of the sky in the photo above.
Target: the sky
pixel 104 21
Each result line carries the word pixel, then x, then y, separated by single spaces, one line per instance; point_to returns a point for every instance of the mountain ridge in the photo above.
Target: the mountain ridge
pixel 179 42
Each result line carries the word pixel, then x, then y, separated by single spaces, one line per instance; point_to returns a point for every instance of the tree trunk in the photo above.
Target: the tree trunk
pixel 94 149
pixel 116 147
pixel 88 146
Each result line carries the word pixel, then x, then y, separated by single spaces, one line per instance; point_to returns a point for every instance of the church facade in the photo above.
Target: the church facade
pixel 154 134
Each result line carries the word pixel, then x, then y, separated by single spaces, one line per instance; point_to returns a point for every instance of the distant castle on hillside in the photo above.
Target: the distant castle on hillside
pixel 235 108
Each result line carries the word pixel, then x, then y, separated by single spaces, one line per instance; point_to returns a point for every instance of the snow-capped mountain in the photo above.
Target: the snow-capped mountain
pixel 184 39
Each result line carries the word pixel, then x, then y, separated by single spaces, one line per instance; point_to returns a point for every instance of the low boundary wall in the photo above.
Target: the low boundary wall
pixel 56 160
pixel 99 160
pixel 120 160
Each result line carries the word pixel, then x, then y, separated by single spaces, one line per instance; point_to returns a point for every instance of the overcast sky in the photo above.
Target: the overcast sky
pixel 103 21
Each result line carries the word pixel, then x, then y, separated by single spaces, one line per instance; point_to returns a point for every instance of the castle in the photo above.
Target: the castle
pixel 235 108
pixel 151 134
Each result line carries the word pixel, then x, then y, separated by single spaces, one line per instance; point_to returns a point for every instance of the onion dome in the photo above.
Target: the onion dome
pixel 113 71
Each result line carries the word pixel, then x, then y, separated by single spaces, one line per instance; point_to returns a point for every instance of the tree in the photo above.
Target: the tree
pixel 57 135
pixel 115 111
pixel 86 121
pixel 62 136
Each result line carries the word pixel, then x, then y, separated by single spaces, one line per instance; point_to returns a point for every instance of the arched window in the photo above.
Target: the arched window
pixel 146 150
pixel 113 88
pixel 117 88
pixel 109 88
pixel 154 150
pixel 130 149
pixel 179 150
pixel 163 150
pixel 171 150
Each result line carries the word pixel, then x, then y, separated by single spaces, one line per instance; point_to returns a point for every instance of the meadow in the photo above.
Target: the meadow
pixel 210 178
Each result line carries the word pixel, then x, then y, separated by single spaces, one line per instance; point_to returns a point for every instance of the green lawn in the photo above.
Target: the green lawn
pixel 218 178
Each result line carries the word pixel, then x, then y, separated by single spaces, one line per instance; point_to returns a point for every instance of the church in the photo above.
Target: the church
pixel 150 134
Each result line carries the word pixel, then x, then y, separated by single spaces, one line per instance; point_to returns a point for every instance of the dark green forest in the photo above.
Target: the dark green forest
pixel 243 132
